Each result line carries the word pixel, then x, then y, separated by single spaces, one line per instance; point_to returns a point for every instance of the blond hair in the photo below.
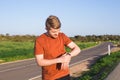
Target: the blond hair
pixel 53 22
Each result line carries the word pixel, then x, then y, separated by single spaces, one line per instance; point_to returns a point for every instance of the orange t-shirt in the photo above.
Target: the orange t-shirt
pixel 52 48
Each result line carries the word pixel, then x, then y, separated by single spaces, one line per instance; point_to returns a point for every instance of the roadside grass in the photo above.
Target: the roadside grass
pixel 12 51
pixel 102 67
pixel 84 45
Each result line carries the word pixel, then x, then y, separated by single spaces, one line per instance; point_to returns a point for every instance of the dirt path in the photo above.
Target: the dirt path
pixel 78 69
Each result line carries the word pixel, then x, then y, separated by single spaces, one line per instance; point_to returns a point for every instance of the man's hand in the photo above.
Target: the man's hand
pixel 65 60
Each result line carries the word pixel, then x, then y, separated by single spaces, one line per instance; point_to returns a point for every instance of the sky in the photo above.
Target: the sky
pixel 78 17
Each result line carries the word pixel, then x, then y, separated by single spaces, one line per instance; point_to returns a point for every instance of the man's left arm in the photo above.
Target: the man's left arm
pixel 75 50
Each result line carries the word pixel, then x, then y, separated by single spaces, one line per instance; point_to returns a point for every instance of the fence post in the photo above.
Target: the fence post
pixel 108 49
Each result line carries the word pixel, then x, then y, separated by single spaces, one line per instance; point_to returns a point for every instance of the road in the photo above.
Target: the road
pixel 27 69
pixel 115 74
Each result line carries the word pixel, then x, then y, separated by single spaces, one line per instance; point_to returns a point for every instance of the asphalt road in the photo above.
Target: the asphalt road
pixel 27 69
pixel 115 74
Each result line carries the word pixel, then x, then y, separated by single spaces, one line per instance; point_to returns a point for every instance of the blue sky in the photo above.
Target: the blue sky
pixel 78 17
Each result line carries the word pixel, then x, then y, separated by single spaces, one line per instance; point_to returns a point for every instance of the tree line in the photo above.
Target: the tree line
pixel 87 38
pixel 17 38
pixel 96 38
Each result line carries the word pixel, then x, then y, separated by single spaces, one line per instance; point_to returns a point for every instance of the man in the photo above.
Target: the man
pixel 50 51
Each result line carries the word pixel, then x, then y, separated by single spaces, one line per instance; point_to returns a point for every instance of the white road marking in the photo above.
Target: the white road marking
pixel 17 61
pixel 35 77
pixel 16 68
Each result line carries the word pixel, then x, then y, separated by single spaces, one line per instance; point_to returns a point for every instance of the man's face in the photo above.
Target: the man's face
pixel 53 32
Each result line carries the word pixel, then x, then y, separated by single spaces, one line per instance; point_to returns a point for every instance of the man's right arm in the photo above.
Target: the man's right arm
pixel 46 62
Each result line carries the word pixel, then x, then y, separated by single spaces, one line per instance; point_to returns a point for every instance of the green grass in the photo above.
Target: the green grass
pixel 12 51
pixel 84 45
pixel 102 67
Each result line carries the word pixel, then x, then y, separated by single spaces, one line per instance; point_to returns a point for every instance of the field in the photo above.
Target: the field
pixel 12 51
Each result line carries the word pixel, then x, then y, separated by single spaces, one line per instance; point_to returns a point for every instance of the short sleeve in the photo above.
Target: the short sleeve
pixel 66 39
pixel 38 47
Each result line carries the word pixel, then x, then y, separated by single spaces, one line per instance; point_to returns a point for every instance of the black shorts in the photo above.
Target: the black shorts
pixel 67 77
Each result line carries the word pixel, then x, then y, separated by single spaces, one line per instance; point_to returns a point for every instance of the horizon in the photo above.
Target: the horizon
pixel 7 34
